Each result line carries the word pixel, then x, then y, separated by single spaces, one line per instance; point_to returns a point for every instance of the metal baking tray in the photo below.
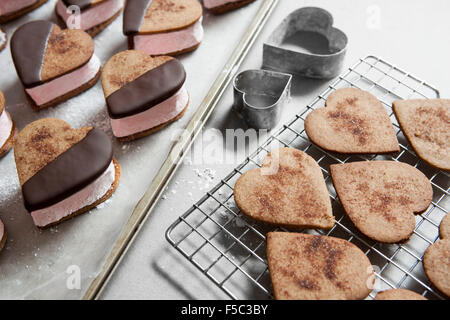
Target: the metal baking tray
pixel 230 249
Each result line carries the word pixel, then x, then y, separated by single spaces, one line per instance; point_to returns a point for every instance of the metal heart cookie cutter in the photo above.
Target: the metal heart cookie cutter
pixel 306 43
pixel 259 96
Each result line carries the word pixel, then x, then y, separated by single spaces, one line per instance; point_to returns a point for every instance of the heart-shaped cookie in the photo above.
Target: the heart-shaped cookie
pixel 8 129
pixel 353 121
pixel 12 9
pixel 260 95
pixel 426 125
pixel 444 227
pixel 381 197
pixel 293 45
pixel 436 263
pixel 223 6
pixel 311 267
pixel 53 64
pixel 399 294
pixel 63 171
pixel 288 190
pixel 155 16
pixel 143 94
pixel 436 259
pixel 163 27
pixel 91 16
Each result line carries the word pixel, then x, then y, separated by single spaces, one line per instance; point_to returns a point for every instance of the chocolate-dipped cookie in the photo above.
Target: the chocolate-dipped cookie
pixel 223 6
pixel 13 9
pixel 8 129
pixel 53 65
pixel 143 94
pixel 163 27
pixel 91 16
pixel 62 171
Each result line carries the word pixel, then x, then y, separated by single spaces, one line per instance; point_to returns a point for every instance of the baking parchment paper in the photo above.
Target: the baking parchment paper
pixel 39 264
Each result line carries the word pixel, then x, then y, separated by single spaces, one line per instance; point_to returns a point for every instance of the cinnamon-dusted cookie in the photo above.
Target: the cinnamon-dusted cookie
pixel 93 15
pixel 352 121
pixel 444 227
pixel 62 171
pixel 436 263
pixel 53 64
pixel 436 260
pixel 288 190
pixel 399 294
pixel 426 125
pixel 143 94
pixel 2 235
pixel 381 197
pixel 8 129
pixel 310 267
pixel 163 27
pixel 223 6
pixel 13 9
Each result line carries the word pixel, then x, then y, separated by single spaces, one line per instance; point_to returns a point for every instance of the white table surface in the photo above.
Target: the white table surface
pixel 410 34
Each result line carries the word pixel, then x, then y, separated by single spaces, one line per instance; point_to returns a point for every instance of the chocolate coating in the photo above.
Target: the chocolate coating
pixel 83 4
pixel 148 90
pixel 28 46
pixel 70 172
pixel 133 15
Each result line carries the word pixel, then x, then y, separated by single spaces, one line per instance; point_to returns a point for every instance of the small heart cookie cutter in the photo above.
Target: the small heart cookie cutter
pixel 323 65
pixel 259 96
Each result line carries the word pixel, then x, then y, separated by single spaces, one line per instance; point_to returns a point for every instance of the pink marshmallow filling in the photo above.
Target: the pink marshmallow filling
pixel 216 3
pixel 159 114
pixel 10 6
pixel 170 42
pixel 58 87
pixel 91 17
pixel 83 198
pixel 6 126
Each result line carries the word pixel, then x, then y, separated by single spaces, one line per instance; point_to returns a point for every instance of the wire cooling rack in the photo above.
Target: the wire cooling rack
pixel 229 248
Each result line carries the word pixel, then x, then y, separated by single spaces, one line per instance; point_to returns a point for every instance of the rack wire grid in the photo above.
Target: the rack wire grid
pixel 230 249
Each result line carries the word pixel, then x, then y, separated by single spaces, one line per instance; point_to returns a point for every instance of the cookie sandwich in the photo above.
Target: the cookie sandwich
pixel 8 130
pixel 222 6
pixel 12 9
pixel 143 93
pixel 53 65
pixel 93 15
pixel 163 27
pixel 63 172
